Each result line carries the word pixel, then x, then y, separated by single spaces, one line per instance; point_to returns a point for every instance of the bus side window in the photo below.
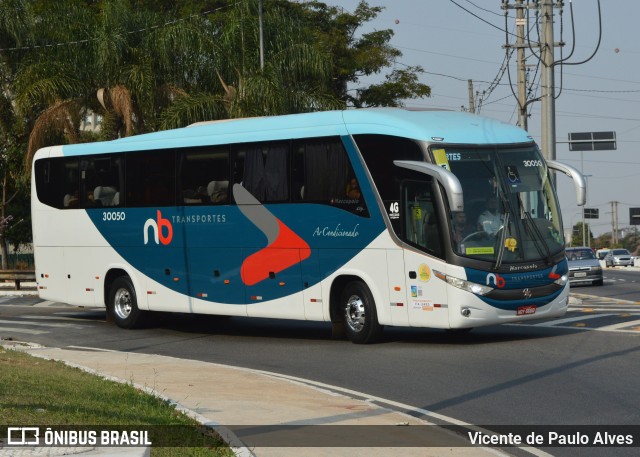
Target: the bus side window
pixel 263 169
pixel 322 173
pixel 421 225
pixel 71 177
pixel 151 178
pixel 100 180
pixel 204 176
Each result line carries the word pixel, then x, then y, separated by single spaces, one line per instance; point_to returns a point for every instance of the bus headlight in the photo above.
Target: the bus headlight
pixel 562 280
pixel 468 286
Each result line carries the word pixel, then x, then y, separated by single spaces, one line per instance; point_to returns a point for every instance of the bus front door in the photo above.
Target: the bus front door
pixel 422 231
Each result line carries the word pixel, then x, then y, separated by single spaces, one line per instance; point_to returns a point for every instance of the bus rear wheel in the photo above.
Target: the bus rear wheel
pixel 359 312
pixel 123 304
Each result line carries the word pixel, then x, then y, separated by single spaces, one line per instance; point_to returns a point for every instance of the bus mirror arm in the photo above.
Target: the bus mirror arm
pixel 579 180
pixel 447 179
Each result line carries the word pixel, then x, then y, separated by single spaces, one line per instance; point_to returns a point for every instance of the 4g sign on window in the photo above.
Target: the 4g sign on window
pixel 394 210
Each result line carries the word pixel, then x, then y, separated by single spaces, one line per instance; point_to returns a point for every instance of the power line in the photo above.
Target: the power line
pixel 484 9
pixel 476 16
pixel 131 32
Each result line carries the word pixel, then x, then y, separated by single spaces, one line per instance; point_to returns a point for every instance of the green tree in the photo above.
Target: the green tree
pixel 356 57
pixel 145 65
pixel 145 70
pixel 15 17
pixel 578 239
pixel 295 78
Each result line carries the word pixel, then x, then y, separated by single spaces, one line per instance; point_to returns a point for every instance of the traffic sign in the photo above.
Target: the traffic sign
pixel 592 141
pixel 591 213
pixel 634 216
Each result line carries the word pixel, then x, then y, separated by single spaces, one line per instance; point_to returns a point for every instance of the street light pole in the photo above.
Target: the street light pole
pixel 261 35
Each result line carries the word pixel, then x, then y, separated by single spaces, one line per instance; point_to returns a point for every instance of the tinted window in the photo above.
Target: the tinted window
pixel 263 169
pixel 204 176
pixel 379 152
pixel 151 178
pixel 79 182
pixel 420 222
pixel 322 173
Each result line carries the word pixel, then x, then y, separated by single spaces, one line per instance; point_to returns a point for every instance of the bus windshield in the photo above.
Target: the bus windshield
pixel 511 213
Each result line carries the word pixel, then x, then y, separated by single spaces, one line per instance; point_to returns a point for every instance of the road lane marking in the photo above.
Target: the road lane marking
pixel 43 324
pixel 620 325
pixel 22 330
pixel 590 310
pixel 571 319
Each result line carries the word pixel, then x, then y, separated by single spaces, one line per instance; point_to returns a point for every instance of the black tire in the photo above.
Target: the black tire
pixel 123 304
pixel 599 282
pixel 359 313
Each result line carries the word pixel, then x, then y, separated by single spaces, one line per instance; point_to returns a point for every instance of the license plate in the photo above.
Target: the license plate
pixel 580 275
pixel 526 310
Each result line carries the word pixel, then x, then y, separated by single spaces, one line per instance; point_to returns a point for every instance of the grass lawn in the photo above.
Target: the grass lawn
pixel 43 393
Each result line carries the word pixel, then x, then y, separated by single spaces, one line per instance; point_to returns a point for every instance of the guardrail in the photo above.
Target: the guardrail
pixel 17 276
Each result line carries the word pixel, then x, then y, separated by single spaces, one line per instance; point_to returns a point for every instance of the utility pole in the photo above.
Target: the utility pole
pixel 472 106
pixel 548 82
pixel 546 47
pixel 614 223
pixel 522 69
pixel 260 20
pixel 520 45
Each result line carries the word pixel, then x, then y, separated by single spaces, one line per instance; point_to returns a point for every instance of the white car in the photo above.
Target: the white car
pixel 618 258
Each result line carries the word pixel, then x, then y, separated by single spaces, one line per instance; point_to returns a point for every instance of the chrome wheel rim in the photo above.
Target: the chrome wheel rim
pixel 354 313
pixel 122 303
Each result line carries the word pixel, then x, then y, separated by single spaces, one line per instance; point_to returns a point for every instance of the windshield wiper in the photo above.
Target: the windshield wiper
pixel 506 208
pixel 503 237
pixel 538 234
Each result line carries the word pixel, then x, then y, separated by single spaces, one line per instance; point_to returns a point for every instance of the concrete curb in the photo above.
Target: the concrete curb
pixel 242 396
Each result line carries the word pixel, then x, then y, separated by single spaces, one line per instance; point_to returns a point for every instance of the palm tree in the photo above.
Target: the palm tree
pixel 145 71
pixel 296 76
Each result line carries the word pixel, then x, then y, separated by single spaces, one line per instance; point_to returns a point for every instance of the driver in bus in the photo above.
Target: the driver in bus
pixel 461 229
pixel 490 220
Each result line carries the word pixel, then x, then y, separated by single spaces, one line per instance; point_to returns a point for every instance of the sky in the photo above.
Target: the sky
pixel 458 40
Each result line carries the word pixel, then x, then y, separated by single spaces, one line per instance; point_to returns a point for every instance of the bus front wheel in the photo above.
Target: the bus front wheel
pixel 359 311
pixel 123 304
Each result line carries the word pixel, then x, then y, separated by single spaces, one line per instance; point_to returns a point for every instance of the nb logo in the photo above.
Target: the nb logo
pixel 498 280
pixel 162 230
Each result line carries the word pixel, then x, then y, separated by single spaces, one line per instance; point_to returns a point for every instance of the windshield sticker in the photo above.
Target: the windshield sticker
pixel 511 244
pixel 480 250
pixel 441 158
pixel 513 177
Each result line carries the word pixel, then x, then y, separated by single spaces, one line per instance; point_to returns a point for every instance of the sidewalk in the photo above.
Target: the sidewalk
pixel 7 289
pixel 216 394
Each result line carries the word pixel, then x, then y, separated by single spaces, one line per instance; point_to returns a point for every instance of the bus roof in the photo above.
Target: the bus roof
pixel 423 125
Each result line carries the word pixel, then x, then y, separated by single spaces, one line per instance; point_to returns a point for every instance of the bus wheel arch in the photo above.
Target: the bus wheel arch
pixel 121 300
pixel 354 309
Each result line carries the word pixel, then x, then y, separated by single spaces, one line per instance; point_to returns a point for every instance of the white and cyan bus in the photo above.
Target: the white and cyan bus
pixel 350 217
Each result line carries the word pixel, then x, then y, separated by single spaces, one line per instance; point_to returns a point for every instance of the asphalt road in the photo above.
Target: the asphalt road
pixel 581 369
pixel 620 283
